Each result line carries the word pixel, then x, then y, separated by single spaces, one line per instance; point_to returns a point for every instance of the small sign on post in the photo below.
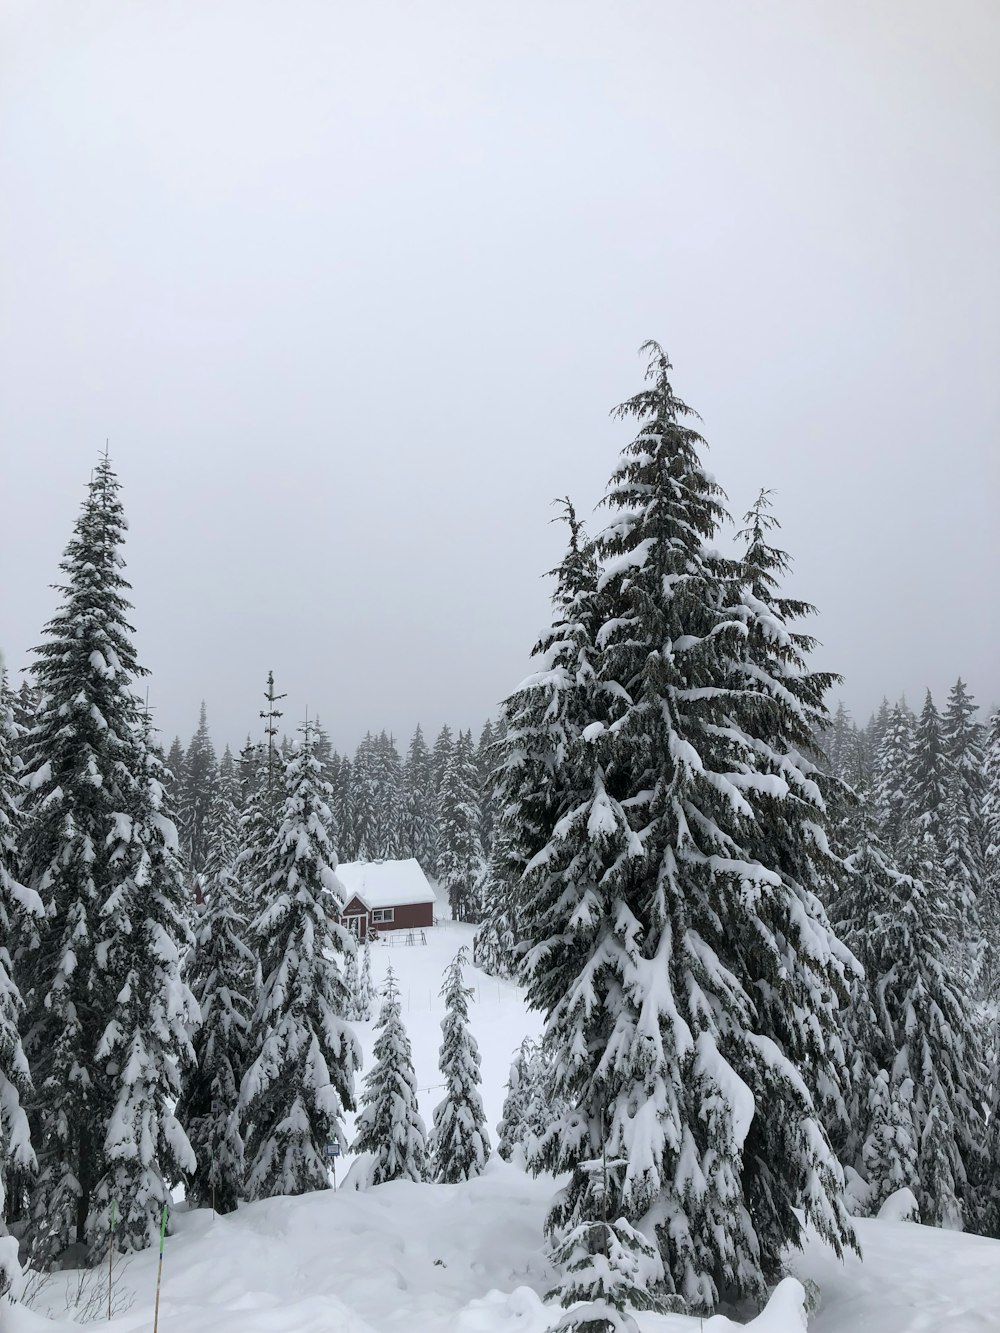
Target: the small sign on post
pixel 332 1152
pixel 216 1106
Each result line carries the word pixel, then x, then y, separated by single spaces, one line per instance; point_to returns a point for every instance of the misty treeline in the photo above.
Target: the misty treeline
pixel 433 803
pixel 763 942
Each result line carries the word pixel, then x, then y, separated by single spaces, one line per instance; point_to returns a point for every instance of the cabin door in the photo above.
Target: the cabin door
pixel 357 926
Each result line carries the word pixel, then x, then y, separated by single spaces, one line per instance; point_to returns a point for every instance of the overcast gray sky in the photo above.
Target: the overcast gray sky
pixel 351 289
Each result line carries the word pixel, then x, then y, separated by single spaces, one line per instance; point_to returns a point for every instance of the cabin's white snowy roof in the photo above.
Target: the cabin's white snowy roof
pixel 385 883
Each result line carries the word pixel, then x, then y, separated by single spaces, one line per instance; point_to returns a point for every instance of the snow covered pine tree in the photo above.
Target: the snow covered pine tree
pixel 108 1015
pixel 460 853
pixel 303 1055
pixel 460 1142
pixel 389 1124
pixel 677 948
pixel 19 908
pixel 198 780
pixel 539 725
pixel 221 972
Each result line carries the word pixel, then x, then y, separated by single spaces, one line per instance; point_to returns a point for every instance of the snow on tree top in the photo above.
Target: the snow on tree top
pixel 385 883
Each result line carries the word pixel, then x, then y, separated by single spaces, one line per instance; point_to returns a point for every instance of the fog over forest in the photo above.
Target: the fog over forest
pixel 352 295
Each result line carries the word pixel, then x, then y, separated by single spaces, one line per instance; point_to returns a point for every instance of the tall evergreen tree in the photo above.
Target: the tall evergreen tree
pixel 440 757
pixel 676 970
pixel 419 817
pixel 924 1069
pixel 890 775
pixel 539 726
pixel 19 909
pixel 366 987
pixel 485 760
pixel 494 948
pixel 890 1150
pixel 389 1124
pixel 24 705
pixel 990 906
pixel 389 799
pixel 342 809
pixel 221 972
pixel 927 775
pixel 144 1049
pixel 300 1080
pixel 98 847
pixel 527 1108
pixel 840 743
pixel 364 799
pixel 785 697
pixel 175 772
pixel 964 835
pixel 869 742
pixel 460 1142
pixel 197 788
pixel 460 853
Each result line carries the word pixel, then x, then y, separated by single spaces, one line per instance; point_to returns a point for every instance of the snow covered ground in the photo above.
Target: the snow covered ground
pixel 407 1258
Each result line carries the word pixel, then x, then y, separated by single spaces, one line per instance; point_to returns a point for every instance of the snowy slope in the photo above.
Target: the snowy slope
pixel 468 1258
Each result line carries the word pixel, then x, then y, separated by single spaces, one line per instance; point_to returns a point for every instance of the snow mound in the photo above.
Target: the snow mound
pixel 900 1207
pixel 468 1258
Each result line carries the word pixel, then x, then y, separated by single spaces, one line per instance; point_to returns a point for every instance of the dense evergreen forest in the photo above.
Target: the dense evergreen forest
pixel 764 940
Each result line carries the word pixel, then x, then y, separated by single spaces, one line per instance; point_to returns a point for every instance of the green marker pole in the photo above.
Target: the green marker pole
pixel 159 1271
pixel 111 1251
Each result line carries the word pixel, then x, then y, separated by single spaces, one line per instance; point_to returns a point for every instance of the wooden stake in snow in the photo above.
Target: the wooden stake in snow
pixel 159 1271
pixel 111 1251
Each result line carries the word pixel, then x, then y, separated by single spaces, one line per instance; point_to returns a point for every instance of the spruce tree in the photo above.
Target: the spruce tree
pixel 389 1124
pixel 460 853
pixel 342 809
pixel 440 757
pixel 890 1150
pixel 786 698
pixel 387 812
pixel 605 1267
pixel 175 772
pixel 19 909
pixel 486 757
pixel 964 836
pixel 990 904
pixel 539 726
pixel 352 1010
pixel 144 1049
pixel 419 819
pixel 221 972
pixel 460 1142
pixel 98 847
pixel 364 799
pixel 366 986
pixel 197 789
pixel 869 742
pixel 927 775
pixel 923 1056
pixel 890 775
pixel 303 1055
pixel 840 743
pixel 675 968
pixel 527 1108
pixel 24 704
pixel 494 947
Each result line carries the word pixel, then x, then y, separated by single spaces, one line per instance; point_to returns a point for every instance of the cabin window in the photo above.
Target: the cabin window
pixel 381 916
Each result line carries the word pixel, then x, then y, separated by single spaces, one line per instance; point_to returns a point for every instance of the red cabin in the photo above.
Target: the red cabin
pixel 384 895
